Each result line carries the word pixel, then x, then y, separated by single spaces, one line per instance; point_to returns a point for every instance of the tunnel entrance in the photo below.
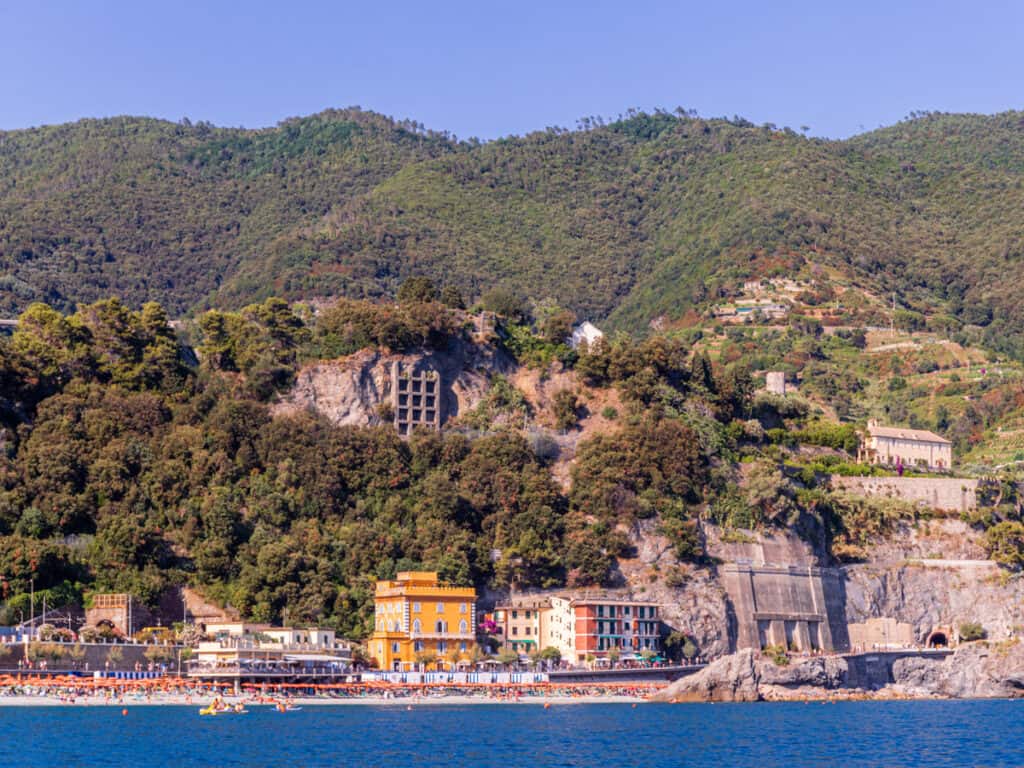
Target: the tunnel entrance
pixel 938 640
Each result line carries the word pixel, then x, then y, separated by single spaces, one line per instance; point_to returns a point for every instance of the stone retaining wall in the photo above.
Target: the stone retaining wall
pixel 948 494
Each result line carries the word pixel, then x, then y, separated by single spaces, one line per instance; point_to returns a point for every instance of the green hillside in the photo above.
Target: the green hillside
pixel 640 218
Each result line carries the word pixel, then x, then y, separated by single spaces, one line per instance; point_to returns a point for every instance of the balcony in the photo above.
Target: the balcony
pixel 432 635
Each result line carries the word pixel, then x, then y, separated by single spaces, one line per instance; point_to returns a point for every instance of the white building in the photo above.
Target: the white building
pixel 585 332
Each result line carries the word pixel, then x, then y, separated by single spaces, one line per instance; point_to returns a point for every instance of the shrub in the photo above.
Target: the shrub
pixel 1004 543
pixel 610 413
pixel 829 435
pixel 566 408
pixel 971 631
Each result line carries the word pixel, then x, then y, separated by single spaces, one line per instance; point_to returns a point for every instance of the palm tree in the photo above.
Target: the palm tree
pixel 453 657
pixel 425 658
pixel 476 655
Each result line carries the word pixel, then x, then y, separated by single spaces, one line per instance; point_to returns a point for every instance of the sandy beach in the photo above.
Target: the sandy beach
pixel 131 700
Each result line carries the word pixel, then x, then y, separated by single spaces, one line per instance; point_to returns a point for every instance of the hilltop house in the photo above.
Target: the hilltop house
pixel 898 446
pixel 585 332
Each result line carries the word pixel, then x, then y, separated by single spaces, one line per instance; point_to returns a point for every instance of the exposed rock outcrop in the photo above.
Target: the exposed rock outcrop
pixel 349 390
pixel 978 670
pixel 746 676
pixel 730 678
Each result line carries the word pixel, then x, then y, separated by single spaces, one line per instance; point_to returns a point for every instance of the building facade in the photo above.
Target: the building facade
pixel 899 447
pixel 242 651
pixel 582 627
pixel 416 614
pixel 522 623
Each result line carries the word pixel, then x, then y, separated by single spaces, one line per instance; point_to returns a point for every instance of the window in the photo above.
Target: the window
pixel 527 614
pixel 462 646
pixel 442 646
pixel 462 607
pixel 440 607
pixel 415 607
pixel 625 611
pixel 528 631
pixel 515 614
pixel 515 630
pixel 394 647
pixel 417 646
pixel 380 649
pixel 463 627
pixel 441 627
pixel 416 626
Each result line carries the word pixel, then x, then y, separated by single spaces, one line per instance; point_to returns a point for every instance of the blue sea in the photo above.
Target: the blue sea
pixel 969 733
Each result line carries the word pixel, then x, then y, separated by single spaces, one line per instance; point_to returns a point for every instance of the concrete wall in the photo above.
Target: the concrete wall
pixel 881 633
pixel 948 494
pixel 798 607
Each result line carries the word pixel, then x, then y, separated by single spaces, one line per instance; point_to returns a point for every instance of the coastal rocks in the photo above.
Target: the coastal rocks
pixel 746 676
pixel 730 678
pixel 978 670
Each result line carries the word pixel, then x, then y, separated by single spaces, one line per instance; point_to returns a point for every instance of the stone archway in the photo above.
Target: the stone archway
pixel 938 639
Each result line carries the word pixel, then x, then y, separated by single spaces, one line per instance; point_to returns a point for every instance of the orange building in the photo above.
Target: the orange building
pixel 415 615
pixel 585 626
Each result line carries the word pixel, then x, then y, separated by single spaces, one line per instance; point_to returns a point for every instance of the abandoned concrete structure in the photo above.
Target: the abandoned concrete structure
pixel 897 446
pixel 415 398
pixel 797 607
pixel 775 382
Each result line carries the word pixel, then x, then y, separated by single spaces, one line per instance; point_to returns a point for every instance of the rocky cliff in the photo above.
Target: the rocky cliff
pixel 351 389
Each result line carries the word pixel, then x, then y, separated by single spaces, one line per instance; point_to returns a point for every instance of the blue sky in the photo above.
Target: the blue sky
pixel 493 69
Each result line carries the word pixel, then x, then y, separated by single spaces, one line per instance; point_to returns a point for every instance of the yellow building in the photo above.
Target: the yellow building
pixel 417 614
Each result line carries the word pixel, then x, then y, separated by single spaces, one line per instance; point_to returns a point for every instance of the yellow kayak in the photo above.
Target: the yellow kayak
pixel 226 711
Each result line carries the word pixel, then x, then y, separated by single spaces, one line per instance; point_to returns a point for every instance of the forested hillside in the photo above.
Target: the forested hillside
pixel 639 218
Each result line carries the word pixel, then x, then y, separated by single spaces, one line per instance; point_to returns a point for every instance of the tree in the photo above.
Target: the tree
pixel 416 290
pixel 425 659
pixel 507 657
pixel 565 409
pixel 1004 543
pixel 552 655
pixel 451 297
pixel 614 654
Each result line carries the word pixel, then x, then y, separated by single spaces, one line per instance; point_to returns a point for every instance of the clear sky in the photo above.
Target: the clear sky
pixel 492 69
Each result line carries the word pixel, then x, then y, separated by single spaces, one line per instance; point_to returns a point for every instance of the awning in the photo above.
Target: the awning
pixel 314 657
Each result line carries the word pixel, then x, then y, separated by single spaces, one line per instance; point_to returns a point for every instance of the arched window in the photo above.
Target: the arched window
pixel 441 627
pixel 416 626
pixel 380 625
pixel 463 627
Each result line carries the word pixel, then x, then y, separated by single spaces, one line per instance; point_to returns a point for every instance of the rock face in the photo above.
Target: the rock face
pixel 730 678
pixel 746 676
pixel 978 670
pixel 693 600
pixel 349 390
pixel 935 576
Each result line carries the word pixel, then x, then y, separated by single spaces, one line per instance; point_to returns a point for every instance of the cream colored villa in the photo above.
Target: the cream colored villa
pixel 897 446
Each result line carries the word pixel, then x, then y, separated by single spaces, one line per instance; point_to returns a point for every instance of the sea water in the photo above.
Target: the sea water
pixel 924 733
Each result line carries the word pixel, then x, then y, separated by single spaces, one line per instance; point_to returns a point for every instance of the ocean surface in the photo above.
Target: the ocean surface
pixel 970 733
